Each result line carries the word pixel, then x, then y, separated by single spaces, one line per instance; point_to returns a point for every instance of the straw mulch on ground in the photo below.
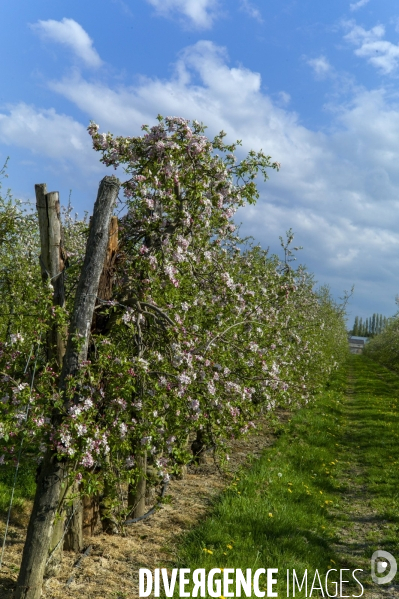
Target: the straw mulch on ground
pixel 110 571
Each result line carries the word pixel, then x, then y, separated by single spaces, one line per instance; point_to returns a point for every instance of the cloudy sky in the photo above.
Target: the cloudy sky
pixel 314 84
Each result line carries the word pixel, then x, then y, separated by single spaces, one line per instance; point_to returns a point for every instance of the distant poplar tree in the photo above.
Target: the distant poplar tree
pixel 374 325
pixel 356 326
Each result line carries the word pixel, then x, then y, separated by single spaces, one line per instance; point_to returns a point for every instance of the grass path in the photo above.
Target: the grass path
pixel 325 496
pixel 368 515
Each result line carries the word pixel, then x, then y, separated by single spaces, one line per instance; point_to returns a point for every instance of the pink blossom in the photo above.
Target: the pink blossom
pixel 87 460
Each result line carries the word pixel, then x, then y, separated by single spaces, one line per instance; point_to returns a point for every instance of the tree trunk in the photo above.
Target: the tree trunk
pixel 103 507
pixel 91 515
pixel 86 515
pixel 136 494
pixel 108 521
pixel 73 540
pixel 198 448
pixel 53 473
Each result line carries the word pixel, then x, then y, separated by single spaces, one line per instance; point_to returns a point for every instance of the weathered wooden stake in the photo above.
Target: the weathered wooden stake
pixel 52 261
pixel 53 472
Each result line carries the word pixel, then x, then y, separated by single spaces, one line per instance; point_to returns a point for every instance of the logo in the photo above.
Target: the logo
pixel 380 560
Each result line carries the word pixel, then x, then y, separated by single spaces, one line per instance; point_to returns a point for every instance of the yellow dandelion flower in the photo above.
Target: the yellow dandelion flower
pixel 290 490
pixel 209 551
pixel 270 515
pixel 331 560
pixel 229 546
pixel 321 492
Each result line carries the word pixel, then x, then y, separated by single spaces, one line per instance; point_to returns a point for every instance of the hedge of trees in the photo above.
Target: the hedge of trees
pixel 370 327
pixel 203 332
pixel 384 348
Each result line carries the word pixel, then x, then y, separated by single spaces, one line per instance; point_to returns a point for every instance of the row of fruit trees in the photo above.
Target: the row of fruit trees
pixel 198 333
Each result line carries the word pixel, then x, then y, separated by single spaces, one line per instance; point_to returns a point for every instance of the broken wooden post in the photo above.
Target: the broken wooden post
pixel 52 261
pixel 54 471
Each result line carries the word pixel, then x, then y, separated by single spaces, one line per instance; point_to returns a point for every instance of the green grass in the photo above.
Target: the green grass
pixel 25 487
pixel 375 440
pixel 286 510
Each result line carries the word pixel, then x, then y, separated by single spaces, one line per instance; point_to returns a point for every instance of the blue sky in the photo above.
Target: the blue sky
pixel 314 84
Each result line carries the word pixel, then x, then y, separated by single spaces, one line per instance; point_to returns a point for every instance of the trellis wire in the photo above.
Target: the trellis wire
pixel 152 510
pixel 20 451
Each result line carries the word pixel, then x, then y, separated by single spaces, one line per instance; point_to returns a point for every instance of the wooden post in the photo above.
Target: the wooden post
pixel 52 261
pixel 107 276
pixel 53 472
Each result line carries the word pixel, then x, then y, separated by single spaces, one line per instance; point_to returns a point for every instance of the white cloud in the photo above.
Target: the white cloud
pixel 382 54
pixel 125 108
pixel 47 134
pixel 199 13
pixel 359 4
pixel 284 98
pixel 69 33
pixel 395 22
pixel 338 189
pixel 251 10
pixel 320 65
pixel 124 7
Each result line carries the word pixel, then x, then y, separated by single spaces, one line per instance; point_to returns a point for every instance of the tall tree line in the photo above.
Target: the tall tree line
pixel 370 326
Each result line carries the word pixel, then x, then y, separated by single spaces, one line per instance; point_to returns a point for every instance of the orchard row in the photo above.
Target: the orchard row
pixel 203 331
